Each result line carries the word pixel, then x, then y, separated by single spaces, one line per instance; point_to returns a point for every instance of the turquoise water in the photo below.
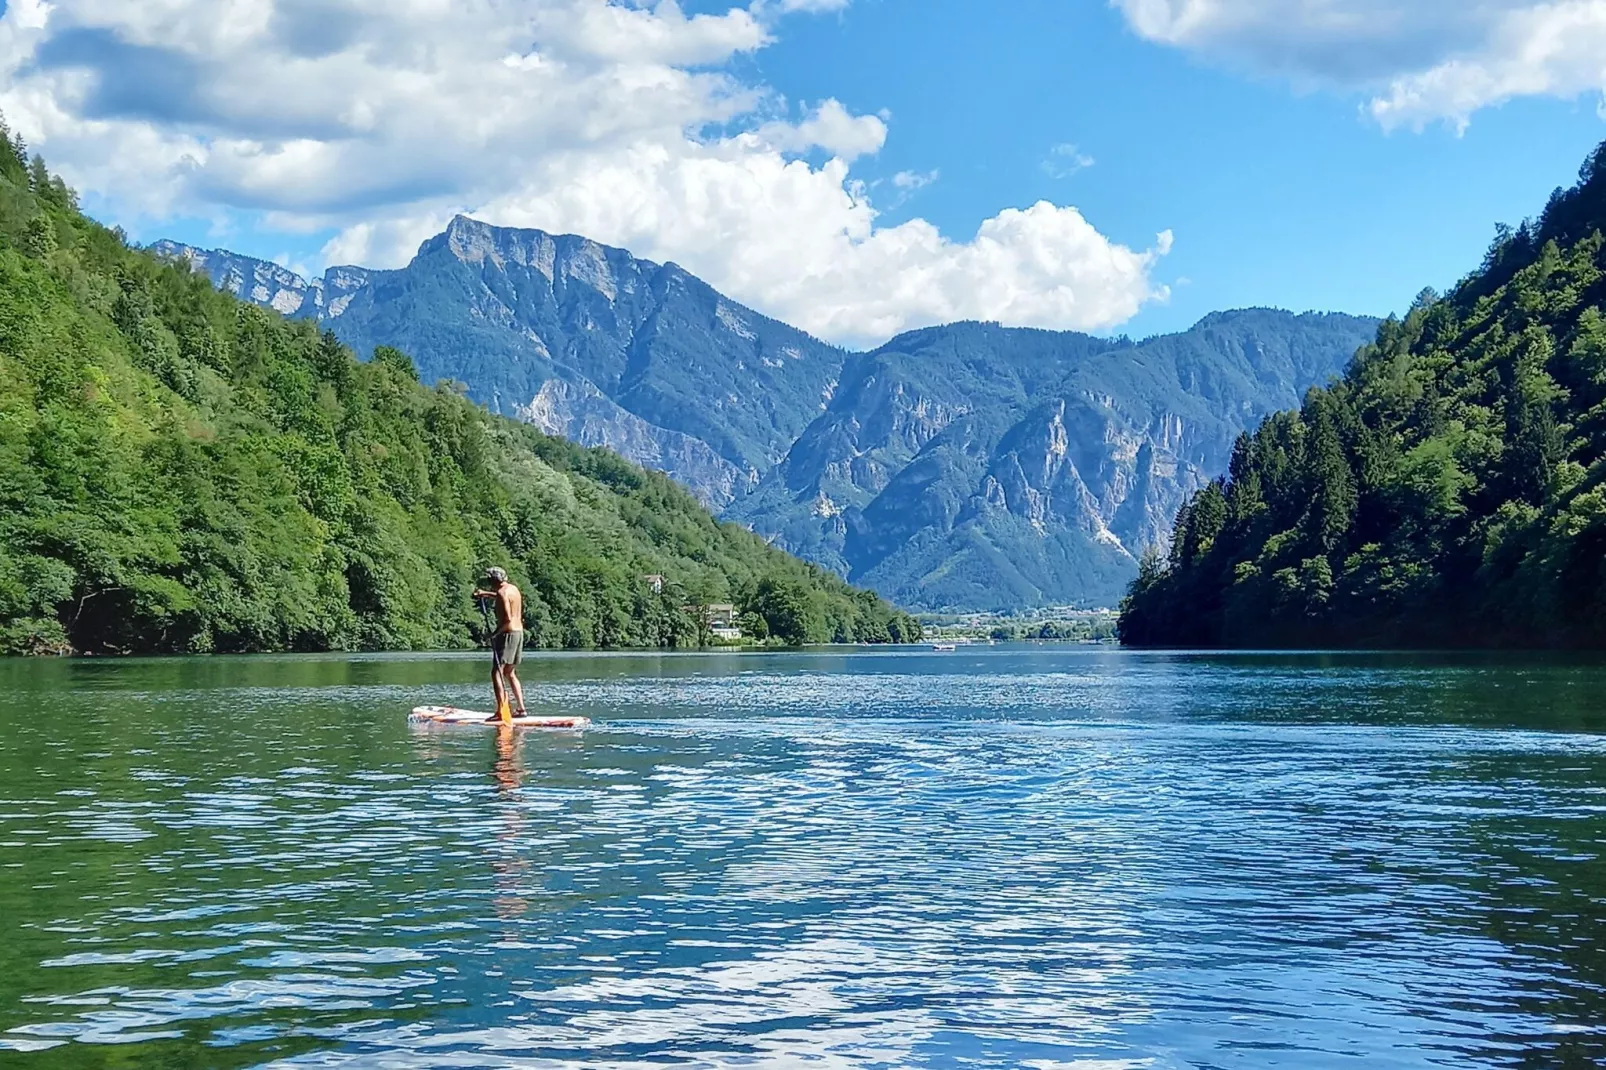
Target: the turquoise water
pixel 1047 857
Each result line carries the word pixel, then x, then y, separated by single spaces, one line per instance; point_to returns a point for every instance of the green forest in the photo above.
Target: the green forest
pixel 1448 491
pixel 183 472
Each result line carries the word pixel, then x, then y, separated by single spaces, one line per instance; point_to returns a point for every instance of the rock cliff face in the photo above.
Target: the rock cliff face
pixel 973 466
pixel 582 413
pixel 967 466
pixel 266 283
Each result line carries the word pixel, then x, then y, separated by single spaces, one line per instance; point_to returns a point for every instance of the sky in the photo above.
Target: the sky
pixel 854 167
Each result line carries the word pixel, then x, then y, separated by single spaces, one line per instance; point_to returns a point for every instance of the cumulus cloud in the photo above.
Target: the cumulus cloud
pixel 1420 60
pixel 830 127
pixel 1554 50
pixel 825 264
pixel 380 119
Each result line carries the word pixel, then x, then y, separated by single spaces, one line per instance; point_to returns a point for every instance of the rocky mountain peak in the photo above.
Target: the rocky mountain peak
pixel 557 258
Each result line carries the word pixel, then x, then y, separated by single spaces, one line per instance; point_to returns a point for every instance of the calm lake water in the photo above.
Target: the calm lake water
pixel 1045 857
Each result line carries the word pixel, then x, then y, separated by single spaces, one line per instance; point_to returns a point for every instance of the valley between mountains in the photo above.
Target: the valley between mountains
pixel 962 467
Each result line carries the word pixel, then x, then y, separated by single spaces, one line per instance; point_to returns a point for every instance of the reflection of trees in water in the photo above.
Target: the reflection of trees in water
pixel 1533 852
pixel 1534 881
pixel 1494 848
pixel 1548 692
pixel 508 864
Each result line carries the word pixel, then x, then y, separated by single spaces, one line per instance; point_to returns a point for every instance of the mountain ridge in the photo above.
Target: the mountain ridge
pixel 653 339
pixel 978 466
pixel 883 465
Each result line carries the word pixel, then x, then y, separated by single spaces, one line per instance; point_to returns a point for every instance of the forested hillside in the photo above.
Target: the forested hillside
pixel 1450 490
pixel 183 471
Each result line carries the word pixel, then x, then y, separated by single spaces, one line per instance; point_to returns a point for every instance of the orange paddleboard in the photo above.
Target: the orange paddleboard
pixel 451 715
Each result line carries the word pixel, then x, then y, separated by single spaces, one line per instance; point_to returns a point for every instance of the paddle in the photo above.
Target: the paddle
pixel 485 615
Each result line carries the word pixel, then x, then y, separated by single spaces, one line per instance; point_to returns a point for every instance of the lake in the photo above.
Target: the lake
pixel 1046 857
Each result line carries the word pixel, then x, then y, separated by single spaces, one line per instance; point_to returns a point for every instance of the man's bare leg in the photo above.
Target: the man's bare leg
pixel 498 692
pixel 518 688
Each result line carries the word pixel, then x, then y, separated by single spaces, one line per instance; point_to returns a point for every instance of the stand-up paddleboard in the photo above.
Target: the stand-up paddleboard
pixel 451 715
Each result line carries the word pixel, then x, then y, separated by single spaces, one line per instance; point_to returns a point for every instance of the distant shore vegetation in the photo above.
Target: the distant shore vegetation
pixel 1048 625
pixel 1449 490
pixel 184 472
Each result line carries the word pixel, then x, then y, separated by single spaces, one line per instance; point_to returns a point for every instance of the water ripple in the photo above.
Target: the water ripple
pixel 1053 860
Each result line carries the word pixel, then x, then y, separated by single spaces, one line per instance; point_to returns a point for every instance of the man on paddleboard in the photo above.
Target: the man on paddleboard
pixel 507 644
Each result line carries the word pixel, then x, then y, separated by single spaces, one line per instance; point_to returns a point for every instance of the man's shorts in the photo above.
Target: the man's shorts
pixel 507 648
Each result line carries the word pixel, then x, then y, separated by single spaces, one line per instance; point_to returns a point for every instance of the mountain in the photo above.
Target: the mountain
pixel 583 340
pixel 965 466
pixel 1450 490
pixel 265 283
pixel 184 472
pixel 974 466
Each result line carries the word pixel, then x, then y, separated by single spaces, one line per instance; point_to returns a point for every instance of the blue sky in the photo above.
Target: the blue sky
pixel 1277 196
pixel 1326 154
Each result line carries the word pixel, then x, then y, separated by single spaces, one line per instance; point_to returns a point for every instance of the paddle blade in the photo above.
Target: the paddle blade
pixel 505 712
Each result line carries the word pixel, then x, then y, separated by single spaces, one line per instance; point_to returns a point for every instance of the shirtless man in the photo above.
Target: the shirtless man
pixel 507 645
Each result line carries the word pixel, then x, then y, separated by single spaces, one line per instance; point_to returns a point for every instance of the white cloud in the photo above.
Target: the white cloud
pixel 1065 160
pixel 380 119
pixel 913 180
pixel 1551 50
pixel 905 184
pixel 823 264
pixel 290 263
pixel 830 127
pixel 1422 60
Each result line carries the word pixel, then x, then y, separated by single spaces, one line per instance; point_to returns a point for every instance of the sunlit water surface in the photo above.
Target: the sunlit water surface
pixel 1049 857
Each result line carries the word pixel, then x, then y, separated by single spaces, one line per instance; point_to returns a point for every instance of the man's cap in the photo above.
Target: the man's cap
pixel 496 575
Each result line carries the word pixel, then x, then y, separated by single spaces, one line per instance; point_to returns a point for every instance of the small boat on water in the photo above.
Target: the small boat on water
pixel 945 646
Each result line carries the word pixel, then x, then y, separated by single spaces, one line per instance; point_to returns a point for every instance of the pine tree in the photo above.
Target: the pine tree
pixel 1332 483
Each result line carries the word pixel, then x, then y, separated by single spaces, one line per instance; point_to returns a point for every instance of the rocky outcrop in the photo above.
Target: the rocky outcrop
pixel 582 413
pixel 265 283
